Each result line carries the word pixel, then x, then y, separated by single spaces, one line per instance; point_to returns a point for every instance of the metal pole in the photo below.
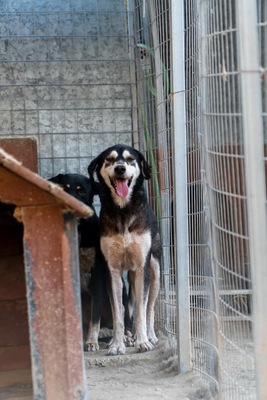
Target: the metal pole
pixel 180 184
pixel 131 44
pixel 248 47
pixel 162 155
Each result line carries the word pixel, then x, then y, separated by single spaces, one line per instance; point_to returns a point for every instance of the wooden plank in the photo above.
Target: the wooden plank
pixel 20 376
pixel 25 194
pixel 12 276
pixel 18 392
pixel 32 189
pixel 10 241
pixel 15 357
pixel 14 323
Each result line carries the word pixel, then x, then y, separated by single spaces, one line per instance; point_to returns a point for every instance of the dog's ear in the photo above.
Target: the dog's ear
pixel 92 168
pixel 56 179
pixel 94 186
pixel 146 170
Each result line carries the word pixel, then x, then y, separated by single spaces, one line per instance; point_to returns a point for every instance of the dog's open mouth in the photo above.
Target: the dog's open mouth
pixel 121 186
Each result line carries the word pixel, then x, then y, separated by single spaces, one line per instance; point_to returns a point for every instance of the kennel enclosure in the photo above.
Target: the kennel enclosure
pixel 185 82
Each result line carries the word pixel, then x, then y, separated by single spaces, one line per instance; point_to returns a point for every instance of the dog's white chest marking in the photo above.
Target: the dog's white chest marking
pixel 126 251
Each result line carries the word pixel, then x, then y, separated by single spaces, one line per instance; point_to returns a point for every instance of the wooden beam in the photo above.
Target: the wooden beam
pixel 53 293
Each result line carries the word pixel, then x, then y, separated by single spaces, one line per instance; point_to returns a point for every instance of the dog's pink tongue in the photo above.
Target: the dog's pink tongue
pixel 122 187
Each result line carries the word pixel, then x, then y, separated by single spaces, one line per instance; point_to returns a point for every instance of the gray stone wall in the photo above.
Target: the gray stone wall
pixel 64 78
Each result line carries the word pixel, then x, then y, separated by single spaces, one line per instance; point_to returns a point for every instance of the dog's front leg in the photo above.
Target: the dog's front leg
pixel 117 345
pixel 142 343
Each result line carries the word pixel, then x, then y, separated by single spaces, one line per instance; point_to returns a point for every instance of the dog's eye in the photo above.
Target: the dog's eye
pixel 130 160
pixel 80 190
pixel 66 188
pixel 109 160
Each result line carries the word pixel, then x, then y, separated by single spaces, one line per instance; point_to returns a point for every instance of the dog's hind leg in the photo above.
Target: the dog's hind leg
pixel 142 343
pixel 153 294
pixel 92 339
pixel 128 304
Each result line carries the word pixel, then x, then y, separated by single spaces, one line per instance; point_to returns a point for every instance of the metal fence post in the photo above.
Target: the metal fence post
pixel 255 179
pixel 180 184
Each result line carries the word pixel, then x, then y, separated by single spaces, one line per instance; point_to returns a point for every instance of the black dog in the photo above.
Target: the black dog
pixel 129 240
pixel 94 276
pixel 92 265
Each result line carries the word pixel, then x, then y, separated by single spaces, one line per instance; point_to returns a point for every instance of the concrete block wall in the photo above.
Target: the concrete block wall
pixel 65 78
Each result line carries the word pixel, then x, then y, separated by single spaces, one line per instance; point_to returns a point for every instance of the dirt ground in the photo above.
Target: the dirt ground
pixel 141 376
pixel 151 375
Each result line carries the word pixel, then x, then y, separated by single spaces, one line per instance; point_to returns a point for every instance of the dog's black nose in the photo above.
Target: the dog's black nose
pixel 120 169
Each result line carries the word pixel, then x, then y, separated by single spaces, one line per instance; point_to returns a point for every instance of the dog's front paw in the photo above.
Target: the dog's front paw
pixel 92 345
pixel 143 347
pixel 154 340
pixel 129 339
pixel 116 349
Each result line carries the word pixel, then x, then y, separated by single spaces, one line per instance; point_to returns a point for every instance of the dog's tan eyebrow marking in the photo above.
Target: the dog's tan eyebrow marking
pixel 111 156
pixel 128 156
pixel 67 185
pixel 78 187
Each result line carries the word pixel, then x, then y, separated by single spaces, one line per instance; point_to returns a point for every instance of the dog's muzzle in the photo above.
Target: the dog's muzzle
pixel 120 184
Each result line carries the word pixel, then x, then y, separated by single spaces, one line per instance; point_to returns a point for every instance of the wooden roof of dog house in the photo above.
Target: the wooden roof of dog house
pixel 37 191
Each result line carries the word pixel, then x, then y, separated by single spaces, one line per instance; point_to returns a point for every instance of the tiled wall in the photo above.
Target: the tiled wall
pixel 64 78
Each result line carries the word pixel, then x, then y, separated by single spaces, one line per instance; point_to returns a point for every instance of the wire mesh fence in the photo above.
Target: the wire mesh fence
pixel 222 285
pixel 152 55
pixel 226 196
pixel 65 79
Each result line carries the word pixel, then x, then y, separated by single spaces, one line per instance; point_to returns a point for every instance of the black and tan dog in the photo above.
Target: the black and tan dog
pixel 94 276
pixel 129 240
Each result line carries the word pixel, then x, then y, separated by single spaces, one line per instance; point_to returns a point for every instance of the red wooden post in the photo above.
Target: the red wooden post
pixel 50 243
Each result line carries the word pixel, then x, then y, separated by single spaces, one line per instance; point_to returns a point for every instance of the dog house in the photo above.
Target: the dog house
pixel 41 334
